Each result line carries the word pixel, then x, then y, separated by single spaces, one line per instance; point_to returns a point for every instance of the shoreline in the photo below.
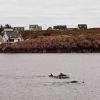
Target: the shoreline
pixel 42 51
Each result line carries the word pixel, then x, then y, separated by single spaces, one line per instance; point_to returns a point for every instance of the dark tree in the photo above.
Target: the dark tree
pixel 1 28
pixel 7 26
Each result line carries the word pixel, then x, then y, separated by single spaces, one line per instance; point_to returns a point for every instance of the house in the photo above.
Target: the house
pixel 35 27
pixel 18 29
pixel 82 26
pixel 60 27
pixel 11 36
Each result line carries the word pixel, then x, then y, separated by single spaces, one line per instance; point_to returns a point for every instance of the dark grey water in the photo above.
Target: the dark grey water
pixel 25 76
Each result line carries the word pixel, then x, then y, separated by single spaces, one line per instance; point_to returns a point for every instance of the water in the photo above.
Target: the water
pixel 25 76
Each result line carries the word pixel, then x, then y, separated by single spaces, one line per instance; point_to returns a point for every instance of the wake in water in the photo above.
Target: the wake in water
pixel 20 77
pixel 41 80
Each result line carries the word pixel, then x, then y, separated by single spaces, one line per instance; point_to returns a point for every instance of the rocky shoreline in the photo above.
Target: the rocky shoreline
pixel 10 50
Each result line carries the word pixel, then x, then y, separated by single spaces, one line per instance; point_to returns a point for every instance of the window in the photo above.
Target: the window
pixel 11 40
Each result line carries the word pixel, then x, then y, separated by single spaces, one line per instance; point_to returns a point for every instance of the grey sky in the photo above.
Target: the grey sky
pixel 50 12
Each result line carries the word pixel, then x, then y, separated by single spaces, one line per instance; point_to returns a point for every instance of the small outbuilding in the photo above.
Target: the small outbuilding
pixel 49 28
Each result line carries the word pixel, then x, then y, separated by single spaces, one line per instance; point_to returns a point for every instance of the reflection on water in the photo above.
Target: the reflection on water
pixel 25 76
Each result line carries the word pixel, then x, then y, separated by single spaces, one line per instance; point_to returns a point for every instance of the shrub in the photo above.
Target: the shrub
pixel 47 34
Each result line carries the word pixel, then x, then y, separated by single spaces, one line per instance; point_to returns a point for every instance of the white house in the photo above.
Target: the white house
pixel 11 36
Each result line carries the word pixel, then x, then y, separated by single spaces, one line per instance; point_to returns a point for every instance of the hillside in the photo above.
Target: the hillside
pixel 93 33
pixel 78 41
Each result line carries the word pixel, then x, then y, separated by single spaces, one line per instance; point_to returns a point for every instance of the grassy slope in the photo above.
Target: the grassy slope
pixel 87 34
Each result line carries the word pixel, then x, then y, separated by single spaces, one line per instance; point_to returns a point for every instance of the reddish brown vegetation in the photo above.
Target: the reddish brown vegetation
pixel 54 44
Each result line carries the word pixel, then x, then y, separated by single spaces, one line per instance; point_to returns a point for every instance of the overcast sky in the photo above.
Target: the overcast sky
pixel 50 12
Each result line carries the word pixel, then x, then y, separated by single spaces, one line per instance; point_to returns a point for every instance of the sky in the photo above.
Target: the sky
pixel 50 12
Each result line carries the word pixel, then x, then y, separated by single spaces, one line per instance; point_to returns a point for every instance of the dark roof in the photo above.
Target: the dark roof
pixel 60 27
pixel 12 34
pixel 82 24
